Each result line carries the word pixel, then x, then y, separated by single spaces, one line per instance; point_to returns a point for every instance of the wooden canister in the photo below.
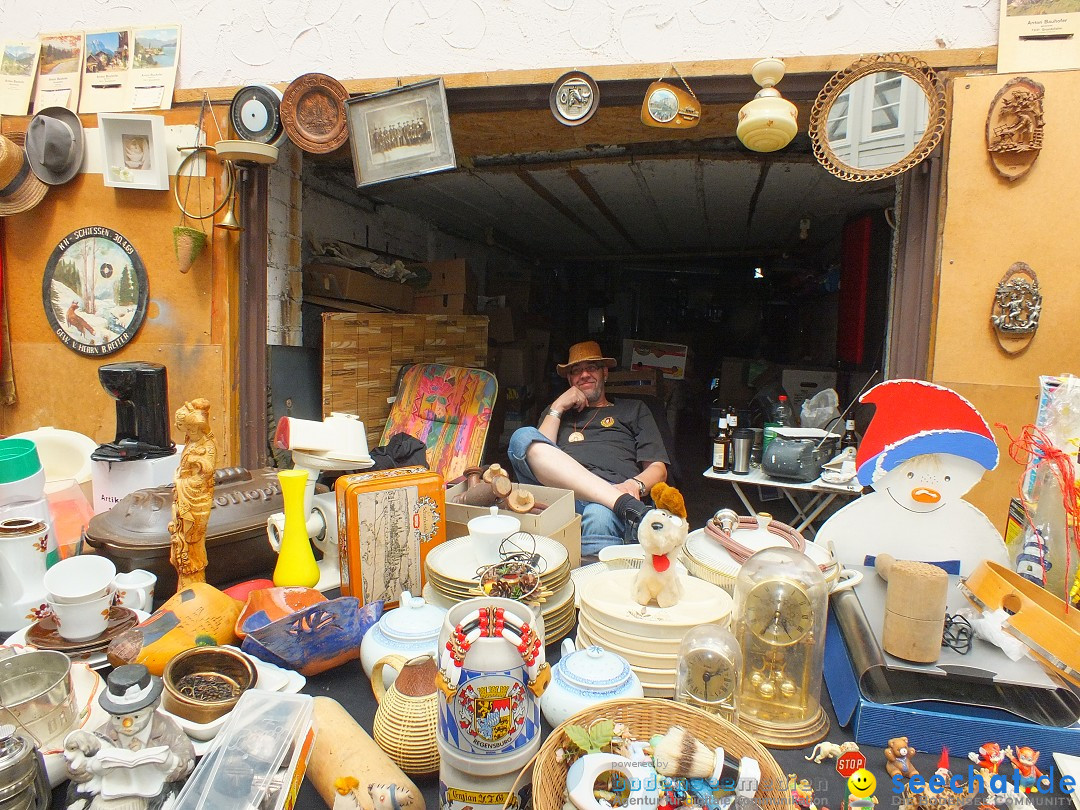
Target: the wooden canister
pixel 915 605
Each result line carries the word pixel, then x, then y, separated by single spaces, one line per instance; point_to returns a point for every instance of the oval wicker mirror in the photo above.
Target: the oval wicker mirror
pixel 878 117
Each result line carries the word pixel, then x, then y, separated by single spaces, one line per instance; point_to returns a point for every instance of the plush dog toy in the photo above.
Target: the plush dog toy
pixel 661 532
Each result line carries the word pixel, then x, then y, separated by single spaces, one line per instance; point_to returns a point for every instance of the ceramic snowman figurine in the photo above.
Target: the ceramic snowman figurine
pixel 925 448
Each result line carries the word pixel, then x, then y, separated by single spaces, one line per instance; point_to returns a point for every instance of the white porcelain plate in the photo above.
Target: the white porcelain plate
pixel 608 598
pixel 454 559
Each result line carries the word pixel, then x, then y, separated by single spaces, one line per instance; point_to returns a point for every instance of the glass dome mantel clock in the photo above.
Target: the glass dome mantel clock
pixel 708 671
pixel 781 601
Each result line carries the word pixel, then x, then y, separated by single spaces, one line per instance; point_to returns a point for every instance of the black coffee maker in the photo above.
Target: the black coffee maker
pixel 141 391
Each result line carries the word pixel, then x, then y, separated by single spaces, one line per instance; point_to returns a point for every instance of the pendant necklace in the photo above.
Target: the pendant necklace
pixel 579 433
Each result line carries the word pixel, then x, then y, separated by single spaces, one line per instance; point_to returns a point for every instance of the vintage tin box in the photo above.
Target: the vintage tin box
pixel 135 532
pixel 388 521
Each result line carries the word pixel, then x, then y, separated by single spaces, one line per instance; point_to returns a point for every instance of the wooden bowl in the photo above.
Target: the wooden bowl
pixel 221 669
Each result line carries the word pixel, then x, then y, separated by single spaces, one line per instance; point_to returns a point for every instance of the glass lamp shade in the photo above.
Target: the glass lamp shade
pixel 768 122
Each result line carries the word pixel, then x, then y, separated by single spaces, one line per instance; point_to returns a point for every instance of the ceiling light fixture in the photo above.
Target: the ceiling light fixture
pixel 769 121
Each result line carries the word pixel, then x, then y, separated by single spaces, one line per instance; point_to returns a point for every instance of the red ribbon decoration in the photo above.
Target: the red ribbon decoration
pixel 1033 445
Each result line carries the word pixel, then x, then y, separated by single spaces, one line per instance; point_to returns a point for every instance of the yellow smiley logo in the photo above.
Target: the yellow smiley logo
pixel 861 784
pixel 607 421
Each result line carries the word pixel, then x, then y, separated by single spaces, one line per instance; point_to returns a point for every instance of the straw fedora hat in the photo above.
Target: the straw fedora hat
pixel 54 145
pixel 582 353
pixel 20 190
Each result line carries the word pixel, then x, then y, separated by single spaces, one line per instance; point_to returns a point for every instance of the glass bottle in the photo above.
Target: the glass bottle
pixel 732 424
pixel 849 439
pixel 721 447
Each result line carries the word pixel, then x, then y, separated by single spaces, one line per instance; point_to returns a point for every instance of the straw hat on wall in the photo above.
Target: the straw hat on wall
pixel 20 190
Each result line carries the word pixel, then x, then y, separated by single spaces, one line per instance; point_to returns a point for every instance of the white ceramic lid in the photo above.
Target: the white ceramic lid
pixel 595 669
pixel 413 619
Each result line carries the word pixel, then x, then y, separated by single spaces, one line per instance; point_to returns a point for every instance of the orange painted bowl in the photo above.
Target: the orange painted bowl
pixel 267 605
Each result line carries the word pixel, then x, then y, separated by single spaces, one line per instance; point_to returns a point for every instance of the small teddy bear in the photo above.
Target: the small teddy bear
pixel 661 532
pixel 898 758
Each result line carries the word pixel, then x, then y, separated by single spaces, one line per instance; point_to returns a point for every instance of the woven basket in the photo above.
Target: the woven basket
pixel 406 722
pixel 646 717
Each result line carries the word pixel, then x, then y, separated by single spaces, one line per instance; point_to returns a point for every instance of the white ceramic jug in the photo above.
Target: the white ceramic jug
pixel 24 544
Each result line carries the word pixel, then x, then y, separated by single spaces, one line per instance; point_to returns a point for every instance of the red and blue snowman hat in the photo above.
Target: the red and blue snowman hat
pixel 915 418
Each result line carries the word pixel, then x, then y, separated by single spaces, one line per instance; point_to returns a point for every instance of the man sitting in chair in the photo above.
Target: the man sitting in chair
pixel 610 453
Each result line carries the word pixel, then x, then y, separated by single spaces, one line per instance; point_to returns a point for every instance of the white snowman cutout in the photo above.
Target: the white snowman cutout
pixel 925 448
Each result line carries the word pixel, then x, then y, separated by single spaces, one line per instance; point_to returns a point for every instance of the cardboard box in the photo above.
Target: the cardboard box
pixel 503 325
pixel 801 384
pixel 934 724
pixel 388 521
pixel 450 277
pixel 510 364
pixel 670 358
pixel 332 281
pixel 448 304
pixel 559 512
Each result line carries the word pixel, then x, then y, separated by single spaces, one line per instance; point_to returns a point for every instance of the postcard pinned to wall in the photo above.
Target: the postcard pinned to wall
pixel 1038 35
pixel 59 71
pixel 18 65
pixel 106 78
pixel 153 68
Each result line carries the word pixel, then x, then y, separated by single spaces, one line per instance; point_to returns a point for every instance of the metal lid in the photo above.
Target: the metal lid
pixel 18 764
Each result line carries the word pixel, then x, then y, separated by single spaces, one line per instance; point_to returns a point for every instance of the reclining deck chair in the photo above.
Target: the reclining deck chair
pixel 448 408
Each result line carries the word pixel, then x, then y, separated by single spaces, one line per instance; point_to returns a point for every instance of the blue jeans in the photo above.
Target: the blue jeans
pixel 599 525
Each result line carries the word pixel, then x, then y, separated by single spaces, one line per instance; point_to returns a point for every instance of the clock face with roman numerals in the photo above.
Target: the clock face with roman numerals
pixel 778 612
pixel 256 114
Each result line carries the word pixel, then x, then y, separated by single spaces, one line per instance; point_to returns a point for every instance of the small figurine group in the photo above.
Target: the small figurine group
pixel 991 755
pixel 987 759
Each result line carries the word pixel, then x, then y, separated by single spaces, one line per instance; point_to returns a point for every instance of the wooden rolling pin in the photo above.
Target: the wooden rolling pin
pixel 915 605
pixel 345 760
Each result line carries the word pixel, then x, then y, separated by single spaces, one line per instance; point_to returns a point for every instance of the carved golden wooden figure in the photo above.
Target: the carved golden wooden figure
pixel 194 494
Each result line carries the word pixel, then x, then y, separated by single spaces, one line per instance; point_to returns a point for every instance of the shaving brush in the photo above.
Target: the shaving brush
pixel 679 754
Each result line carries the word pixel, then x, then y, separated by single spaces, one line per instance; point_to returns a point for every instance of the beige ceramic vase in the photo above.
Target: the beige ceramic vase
pixel 405 722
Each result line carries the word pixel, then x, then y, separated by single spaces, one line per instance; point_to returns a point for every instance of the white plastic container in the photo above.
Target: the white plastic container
pixel 22 488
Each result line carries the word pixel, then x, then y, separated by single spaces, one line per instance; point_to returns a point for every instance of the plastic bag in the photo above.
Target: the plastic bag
pixel 821 410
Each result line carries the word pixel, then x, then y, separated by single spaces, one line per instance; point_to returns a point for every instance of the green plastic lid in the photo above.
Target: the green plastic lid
pixel 18 460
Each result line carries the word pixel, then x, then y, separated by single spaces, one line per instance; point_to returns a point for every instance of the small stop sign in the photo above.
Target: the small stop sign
pixel 847 764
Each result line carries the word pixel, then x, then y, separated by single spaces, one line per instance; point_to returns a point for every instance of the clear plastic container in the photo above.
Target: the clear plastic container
pixel 257 758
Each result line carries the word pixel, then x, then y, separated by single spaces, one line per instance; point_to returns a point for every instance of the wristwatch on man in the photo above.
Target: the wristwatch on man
pixel 641 488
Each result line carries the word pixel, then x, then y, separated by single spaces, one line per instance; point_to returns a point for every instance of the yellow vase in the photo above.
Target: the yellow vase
pixel 296 561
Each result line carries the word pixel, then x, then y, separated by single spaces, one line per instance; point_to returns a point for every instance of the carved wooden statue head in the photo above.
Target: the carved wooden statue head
pixel 194 419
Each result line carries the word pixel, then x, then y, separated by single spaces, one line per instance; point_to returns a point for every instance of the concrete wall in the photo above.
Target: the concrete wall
pixel 250 41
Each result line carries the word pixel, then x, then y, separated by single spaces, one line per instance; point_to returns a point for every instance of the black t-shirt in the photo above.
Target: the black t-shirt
pixel 620 439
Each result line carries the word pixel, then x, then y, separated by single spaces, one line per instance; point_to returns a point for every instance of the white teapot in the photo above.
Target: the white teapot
pixel 409 630
pixel 585 677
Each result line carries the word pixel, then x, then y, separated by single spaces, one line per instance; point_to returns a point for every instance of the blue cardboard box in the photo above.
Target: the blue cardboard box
pixel 929 725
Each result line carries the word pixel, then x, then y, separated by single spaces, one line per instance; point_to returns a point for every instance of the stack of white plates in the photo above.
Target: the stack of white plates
pixel 452 575
pixel 707 559
pixel 647 637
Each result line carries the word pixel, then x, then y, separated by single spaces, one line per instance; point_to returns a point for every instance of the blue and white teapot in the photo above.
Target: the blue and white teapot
pixel 586 677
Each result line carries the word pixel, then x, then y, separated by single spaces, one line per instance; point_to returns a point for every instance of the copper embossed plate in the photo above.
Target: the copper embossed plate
pixel 313 113
pixel 44 635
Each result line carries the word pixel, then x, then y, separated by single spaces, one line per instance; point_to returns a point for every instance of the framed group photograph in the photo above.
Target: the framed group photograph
pixel 133 151
pixel 399 133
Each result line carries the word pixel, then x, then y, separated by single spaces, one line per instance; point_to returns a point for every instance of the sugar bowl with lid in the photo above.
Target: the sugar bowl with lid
pixel 586 677
pixel 409 630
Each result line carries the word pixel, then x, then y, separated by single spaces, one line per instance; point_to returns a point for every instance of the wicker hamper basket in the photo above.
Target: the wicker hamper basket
pixel 646 717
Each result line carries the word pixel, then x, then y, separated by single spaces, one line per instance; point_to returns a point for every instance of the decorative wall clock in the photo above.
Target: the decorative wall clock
pixel 95 291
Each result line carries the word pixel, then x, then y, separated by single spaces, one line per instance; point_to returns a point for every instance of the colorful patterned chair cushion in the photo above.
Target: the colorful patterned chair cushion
pixel 448 408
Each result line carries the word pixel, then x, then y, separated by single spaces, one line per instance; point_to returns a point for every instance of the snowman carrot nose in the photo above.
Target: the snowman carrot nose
pixel 925 495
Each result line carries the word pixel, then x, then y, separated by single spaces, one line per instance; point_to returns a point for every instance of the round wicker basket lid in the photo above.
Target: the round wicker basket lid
pixel 313 113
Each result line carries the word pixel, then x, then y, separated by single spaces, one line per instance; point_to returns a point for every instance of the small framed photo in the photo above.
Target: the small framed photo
pixel 133 151
pixel 399 133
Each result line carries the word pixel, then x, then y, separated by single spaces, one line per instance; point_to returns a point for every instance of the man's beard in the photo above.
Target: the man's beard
pixel 595 395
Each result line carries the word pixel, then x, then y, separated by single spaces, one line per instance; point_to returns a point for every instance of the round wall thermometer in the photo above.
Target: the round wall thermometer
pixel 256 114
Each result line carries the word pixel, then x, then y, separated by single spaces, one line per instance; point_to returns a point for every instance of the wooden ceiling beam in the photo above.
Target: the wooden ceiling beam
pixel 796 65
pixel 544 194
pixel 589 190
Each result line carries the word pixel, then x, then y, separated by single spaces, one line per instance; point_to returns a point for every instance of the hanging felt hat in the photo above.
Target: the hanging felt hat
pixel 915 418
pixel 20 190
pixel 54 145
